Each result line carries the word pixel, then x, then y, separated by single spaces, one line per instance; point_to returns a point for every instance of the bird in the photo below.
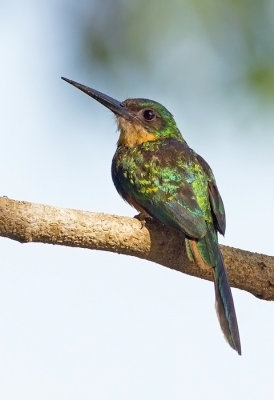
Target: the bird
pixel 157 173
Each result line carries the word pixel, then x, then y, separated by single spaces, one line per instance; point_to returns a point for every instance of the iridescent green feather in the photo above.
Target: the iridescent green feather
pixel 162 178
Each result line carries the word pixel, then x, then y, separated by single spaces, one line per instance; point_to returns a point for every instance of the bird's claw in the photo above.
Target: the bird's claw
pixel 143 217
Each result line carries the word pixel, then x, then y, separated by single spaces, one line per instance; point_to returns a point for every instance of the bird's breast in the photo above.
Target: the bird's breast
pixel 146 172
pixel 128 169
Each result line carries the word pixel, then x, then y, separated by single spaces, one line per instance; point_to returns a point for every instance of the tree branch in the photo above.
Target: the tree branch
pixel 29 222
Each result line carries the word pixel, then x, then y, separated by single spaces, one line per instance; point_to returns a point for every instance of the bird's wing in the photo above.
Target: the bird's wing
pixel 215 199
pixel 169 196
pixel 184 214
pixel 175 207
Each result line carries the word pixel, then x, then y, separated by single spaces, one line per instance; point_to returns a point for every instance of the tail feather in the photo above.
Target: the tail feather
pixel 206 253
pixel 225 306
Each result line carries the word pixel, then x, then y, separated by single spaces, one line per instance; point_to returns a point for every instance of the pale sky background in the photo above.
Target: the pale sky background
pixel 80 324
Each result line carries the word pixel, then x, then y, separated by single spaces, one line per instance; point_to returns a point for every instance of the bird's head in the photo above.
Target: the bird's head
pixel 139 120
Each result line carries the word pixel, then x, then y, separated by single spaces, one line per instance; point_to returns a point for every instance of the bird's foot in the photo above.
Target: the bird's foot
pixel 143 217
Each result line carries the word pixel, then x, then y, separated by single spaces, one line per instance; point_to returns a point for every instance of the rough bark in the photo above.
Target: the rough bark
pixel 28 222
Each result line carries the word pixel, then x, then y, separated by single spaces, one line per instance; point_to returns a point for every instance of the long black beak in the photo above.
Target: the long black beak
pixel 114 105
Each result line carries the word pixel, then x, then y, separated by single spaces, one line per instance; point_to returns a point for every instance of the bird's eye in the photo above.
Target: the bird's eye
pixel 149 115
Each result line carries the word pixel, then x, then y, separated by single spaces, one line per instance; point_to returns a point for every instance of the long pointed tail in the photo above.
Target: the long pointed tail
pixel 225 306
pixel 206 252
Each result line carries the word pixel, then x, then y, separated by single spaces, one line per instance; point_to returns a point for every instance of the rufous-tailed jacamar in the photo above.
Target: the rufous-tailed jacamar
pixel 156 172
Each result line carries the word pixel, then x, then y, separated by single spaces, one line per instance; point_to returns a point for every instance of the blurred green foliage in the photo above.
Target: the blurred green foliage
pixel 139 34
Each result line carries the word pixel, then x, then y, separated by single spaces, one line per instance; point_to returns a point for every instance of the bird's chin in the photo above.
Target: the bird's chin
pixel 133 133
pixel 123 124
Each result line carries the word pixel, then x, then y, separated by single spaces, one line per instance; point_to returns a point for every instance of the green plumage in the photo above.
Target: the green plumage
pixel 155 171
pixel 165 178
pixel 170 182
